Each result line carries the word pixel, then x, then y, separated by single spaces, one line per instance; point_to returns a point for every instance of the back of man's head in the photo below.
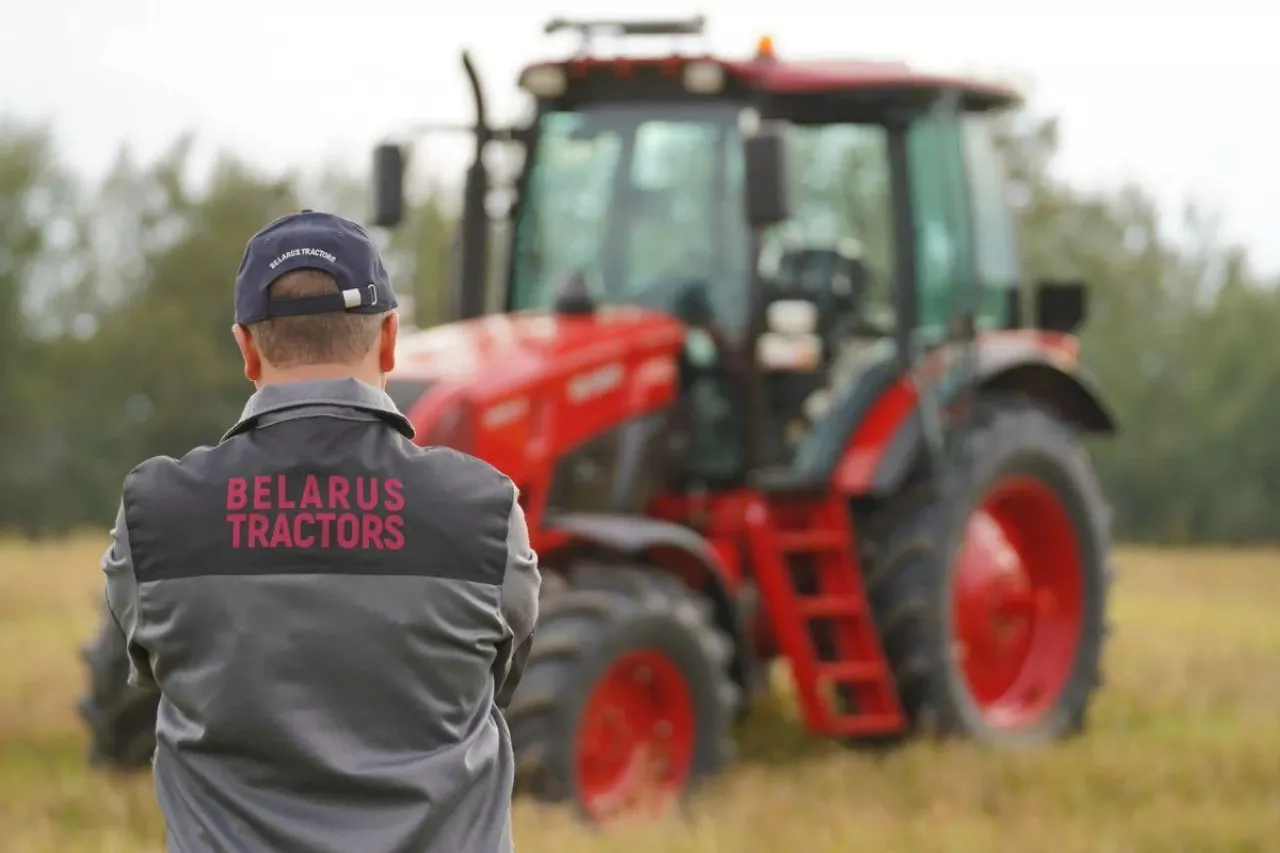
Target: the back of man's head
pixel 337 337
pixel 313 300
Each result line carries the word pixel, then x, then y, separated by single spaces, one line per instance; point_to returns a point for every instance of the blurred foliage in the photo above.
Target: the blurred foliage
pixel 116 307
pixel 1177 338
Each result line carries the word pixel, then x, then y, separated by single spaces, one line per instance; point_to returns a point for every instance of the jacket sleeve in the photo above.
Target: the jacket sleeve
pixel 122 601
pixel 520 585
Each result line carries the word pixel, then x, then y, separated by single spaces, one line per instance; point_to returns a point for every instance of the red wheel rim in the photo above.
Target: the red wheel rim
pixel 1017 602
pixel 636 737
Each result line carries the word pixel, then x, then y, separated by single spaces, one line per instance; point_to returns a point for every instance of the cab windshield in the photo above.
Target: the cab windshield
pixel 646 199
pixel 642 200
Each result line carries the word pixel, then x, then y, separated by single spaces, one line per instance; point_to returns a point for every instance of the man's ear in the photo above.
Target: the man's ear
pixel 387 342
pixel 249 350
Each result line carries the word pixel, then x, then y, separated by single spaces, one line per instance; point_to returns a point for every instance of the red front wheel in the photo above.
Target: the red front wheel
pixel 627 699
pixel 636 739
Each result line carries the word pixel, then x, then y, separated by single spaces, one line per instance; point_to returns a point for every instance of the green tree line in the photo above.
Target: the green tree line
pixel 115 310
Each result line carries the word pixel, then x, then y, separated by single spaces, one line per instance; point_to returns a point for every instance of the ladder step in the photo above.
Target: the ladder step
pixel 795 541
pixel 852 697
pixel 826 606
pixel 847 671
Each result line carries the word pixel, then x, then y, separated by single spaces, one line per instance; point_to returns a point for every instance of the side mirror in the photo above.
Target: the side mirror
pixel 1056 305
pixel 388 185
pixel 768 196
pixel 1062 306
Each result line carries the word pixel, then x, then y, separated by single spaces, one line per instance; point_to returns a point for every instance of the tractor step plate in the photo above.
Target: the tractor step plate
pixel 843 684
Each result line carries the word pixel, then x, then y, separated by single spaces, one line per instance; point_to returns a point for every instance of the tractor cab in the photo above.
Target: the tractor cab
pixel 815 225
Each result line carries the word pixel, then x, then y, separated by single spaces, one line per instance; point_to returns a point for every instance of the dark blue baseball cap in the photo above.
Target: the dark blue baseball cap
pixel 312 240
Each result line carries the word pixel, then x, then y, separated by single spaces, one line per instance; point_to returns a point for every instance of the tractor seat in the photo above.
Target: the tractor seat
pixel 816 458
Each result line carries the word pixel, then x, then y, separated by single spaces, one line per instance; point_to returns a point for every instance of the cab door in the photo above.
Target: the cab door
pixel 965 256
pixel 946 283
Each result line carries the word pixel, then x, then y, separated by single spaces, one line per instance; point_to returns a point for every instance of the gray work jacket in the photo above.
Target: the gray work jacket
pixel 333 617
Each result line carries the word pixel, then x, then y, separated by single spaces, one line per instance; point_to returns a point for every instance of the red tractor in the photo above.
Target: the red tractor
pixel 771 388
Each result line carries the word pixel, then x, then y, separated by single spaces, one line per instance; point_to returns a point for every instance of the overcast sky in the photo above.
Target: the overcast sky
pixel 1180 95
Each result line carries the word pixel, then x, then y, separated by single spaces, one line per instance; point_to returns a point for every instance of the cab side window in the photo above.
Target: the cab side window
pixel 996 245
pixel 940 201
pixel 966 250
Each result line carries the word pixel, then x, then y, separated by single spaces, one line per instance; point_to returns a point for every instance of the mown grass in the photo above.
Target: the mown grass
pixel 1183 751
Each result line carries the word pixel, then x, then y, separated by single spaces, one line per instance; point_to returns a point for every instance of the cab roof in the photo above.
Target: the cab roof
pixel 798 77
pixel 825 76
pixel 587 76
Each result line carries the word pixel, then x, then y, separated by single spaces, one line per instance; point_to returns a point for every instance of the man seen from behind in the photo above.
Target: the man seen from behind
pixel 332 615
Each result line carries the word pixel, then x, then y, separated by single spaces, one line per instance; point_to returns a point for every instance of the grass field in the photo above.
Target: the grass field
pixel 1183 753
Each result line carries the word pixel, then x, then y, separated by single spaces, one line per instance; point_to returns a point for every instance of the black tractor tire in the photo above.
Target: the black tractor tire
pixel 587 631
pixel 911 567
pixel 121 719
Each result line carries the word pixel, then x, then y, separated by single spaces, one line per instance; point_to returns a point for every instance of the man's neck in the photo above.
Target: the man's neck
pixel 310 372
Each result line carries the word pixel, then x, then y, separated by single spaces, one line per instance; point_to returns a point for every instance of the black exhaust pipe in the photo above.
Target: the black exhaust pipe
pixel 469 285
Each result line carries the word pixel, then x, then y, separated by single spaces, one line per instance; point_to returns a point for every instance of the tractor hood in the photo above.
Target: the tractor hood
pixel 511 349
pixel 499 372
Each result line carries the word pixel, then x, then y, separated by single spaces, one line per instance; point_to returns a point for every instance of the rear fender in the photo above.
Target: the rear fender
pixel 668 547
pixel 1041 365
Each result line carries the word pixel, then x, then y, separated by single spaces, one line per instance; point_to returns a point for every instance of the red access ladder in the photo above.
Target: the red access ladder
pixel 850 693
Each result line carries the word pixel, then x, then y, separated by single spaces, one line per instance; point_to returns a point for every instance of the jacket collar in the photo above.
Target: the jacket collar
pixel 341 393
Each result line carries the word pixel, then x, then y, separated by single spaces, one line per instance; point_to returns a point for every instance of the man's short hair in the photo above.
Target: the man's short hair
pixel 338 337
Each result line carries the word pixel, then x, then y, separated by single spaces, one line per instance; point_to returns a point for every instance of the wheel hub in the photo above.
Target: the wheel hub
pixel 1017 602
pixel 636 738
